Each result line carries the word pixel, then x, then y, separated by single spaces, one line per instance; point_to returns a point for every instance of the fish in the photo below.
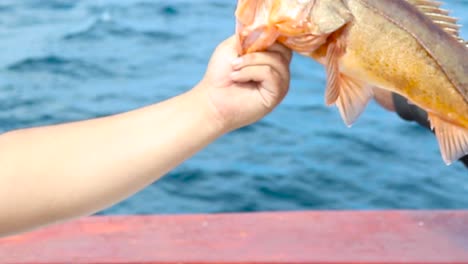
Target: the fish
pixel 408 47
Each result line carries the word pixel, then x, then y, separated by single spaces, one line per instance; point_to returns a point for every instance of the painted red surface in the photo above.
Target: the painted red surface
pixel 301 237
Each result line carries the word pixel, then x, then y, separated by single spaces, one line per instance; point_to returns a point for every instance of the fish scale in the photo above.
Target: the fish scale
pixel 410 47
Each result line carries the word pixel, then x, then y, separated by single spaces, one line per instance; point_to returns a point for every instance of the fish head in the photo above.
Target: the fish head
pixel 255 30
pixel 302 25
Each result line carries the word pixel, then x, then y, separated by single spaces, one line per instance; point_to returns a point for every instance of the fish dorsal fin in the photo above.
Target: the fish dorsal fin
pixel 440 17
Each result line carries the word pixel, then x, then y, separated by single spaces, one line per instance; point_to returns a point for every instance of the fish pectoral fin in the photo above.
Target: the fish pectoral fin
pixel 453 140
pixel 334 52
pixel 353 99
pixel 351 96
pixel 384 98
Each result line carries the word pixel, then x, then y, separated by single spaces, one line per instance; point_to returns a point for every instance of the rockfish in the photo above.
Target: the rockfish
pixel 409 47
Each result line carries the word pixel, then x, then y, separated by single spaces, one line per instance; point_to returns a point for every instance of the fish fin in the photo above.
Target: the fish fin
pixel 384 98
pixel 441 17
pixel 329 15
pixel 253 30
pixel 351 96
pixel 453 140
pixel 334 52
pixel 353 99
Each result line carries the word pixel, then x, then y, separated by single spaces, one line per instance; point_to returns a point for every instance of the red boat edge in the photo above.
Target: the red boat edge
pixel 342 237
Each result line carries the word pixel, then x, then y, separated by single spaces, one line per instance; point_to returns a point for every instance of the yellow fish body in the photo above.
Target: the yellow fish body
pixel 410 47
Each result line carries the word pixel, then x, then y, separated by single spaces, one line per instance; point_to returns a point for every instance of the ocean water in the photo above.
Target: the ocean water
pixel 66 60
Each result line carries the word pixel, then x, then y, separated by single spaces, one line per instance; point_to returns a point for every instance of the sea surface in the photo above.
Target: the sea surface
pixel 67 60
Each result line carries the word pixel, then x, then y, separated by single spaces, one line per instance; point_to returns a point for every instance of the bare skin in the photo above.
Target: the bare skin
pixel 56 173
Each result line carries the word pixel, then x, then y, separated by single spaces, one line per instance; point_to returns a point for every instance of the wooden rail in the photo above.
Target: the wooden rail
pixel 380 237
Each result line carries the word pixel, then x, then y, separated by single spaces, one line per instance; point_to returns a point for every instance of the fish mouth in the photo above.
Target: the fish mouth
pixel 260 38
pixel 255 30
pixel 260 23
pixel 255 39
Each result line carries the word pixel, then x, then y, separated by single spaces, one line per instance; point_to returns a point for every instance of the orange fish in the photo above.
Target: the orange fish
pixel 409 47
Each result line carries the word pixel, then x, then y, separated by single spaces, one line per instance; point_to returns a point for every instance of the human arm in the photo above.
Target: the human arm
pixel 55 173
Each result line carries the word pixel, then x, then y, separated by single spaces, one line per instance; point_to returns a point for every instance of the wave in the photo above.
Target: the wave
pixel 102 29
pixel 6 8
pixel 156 8
pixel 52 4
pixel 73 68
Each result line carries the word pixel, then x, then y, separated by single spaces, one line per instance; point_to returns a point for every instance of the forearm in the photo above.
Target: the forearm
pixel 55 173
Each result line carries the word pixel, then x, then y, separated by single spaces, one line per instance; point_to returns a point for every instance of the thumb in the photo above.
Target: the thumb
pixel 229 47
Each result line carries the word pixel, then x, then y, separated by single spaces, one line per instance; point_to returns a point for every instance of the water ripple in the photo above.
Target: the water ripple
pixel 52 4
pixel 158 8
pixel 73 68
pixel 104 29
pixel 69 60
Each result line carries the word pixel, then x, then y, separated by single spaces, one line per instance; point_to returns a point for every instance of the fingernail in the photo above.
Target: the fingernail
pixel 237 61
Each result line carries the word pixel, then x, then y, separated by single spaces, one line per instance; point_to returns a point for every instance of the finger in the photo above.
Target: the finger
pixel 228 47
pixel 230 42
pixel 270 59
pixel 265 77
pixel 273 59
pixel 281 49
pixel 266 80
pixel 258 73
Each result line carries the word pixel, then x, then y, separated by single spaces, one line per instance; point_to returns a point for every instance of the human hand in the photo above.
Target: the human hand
pixel 242 90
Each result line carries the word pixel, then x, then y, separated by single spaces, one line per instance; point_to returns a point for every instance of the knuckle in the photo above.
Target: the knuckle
pixel 274 74
pixel 282 50
pixel 283 59
pixel 269 70
pixel 250 58
pixel 280 58
pixel 244 71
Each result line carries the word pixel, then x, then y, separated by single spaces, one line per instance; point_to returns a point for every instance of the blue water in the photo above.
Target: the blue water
pixel 65 60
